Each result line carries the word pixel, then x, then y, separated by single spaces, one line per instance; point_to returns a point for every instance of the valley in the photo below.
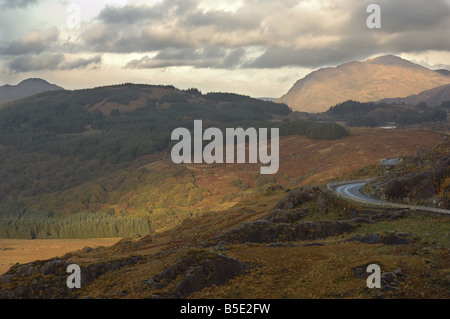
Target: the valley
pixel 89 177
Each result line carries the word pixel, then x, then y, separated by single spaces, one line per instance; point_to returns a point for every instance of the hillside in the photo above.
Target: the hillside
pixel 81 163
pixel 372 80
pixel 432 97
pixel 280 243
pixel 96 163
pixel 384 114
pixel 25 88
pixel 422 179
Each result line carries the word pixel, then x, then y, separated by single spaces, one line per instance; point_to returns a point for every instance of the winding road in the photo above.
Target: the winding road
pixel 353 190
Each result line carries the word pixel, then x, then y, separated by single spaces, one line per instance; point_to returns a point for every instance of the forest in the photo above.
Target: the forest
pixel 372 114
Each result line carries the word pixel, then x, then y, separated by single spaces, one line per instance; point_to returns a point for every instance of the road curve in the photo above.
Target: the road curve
pixel 353 190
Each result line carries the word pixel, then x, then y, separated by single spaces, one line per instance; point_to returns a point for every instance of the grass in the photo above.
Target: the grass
pixel 432 229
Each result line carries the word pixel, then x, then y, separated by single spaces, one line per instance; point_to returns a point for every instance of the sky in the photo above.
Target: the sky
pixel 253 47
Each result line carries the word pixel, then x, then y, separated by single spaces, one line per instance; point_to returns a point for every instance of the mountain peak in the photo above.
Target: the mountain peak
pixel 34 80
pixel 386 76
pixel 391 59
pixel 25 88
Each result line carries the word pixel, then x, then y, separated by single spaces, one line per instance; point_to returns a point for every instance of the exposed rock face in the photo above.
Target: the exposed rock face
pixel 263 231
pixel 48 279
pixel 390 281
pixel 422 185
pixel 197 271
pixel 294 198
pixel 283 216
pixel 391 238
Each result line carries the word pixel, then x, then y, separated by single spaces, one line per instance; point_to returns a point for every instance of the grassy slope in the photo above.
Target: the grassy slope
pixel 291 272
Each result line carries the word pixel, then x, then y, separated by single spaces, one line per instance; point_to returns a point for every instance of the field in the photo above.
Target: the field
pixel 23 251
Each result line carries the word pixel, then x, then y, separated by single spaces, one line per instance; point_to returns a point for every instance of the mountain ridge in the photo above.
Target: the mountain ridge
pixel 26 88
pixel 386 76
pixel 432 97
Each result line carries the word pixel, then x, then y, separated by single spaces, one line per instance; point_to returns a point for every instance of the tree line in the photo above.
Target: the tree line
pixel 17 222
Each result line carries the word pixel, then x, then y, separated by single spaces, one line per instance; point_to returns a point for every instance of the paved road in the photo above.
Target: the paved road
pixel 353 190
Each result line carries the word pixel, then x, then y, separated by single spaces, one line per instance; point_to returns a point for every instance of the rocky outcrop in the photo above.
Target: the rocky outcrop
pixel 390 238
pixel 48 279
pixel 294 199
pixel 283 216
pixel 196 271
pixel 421 177
pixel 390 281
pixel 263 231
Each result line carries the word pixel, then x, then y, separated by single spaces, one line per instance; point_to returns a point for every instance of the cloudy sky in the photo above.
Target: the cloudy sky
pixel 253 47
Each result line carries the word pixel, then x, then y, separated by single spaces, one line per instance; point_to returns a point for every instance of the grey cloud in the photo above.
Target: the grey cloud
pixel 223 21
pixel 132 14
pixel 413 15
pixel 210 58
pixel 35 41
pixel 27 63
pixel 407 26
pixel 81 63
pixel 17 3
pixel 355 47
pixel 179 33
pixel 128 14
pixel 169 24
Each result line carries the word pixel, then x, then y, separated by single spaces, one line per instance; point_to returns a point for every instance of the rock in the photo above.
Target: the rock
pixel 221 246
pixel 283 216
pixel 196 271
pixel 51 280
pixel 86 250
pixel 215 271
pixel 389 278
pixel 152 282
pixel 399 273
pixel 388 288
pixel 360 220
pixel 53 267
pixel 262 231
pixel 387 239
pixel 273 188
pixel 27 270
pixel 6 279
pixel 360 272
pixel 21 291
pixel 293 199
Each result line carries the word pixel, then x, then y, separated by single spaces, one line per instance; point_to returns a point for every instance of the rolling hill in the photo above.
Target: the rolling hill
pixel 432 97
pixel 25 88
pixel 372 80
pixel 77 164
pixel 87 157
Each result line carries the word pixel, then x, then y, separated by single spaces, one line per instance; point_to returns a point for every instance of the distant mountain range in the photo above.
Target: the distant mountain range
pixel 432 97
pixel 372 80
pixel 25 88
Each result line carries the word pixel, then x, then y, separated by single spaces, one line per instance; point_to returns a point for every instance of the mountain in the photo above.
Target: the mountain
pixel 443 72
pixel 25 88
pixel 432 97
pixel 374 79
pixel 99 148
